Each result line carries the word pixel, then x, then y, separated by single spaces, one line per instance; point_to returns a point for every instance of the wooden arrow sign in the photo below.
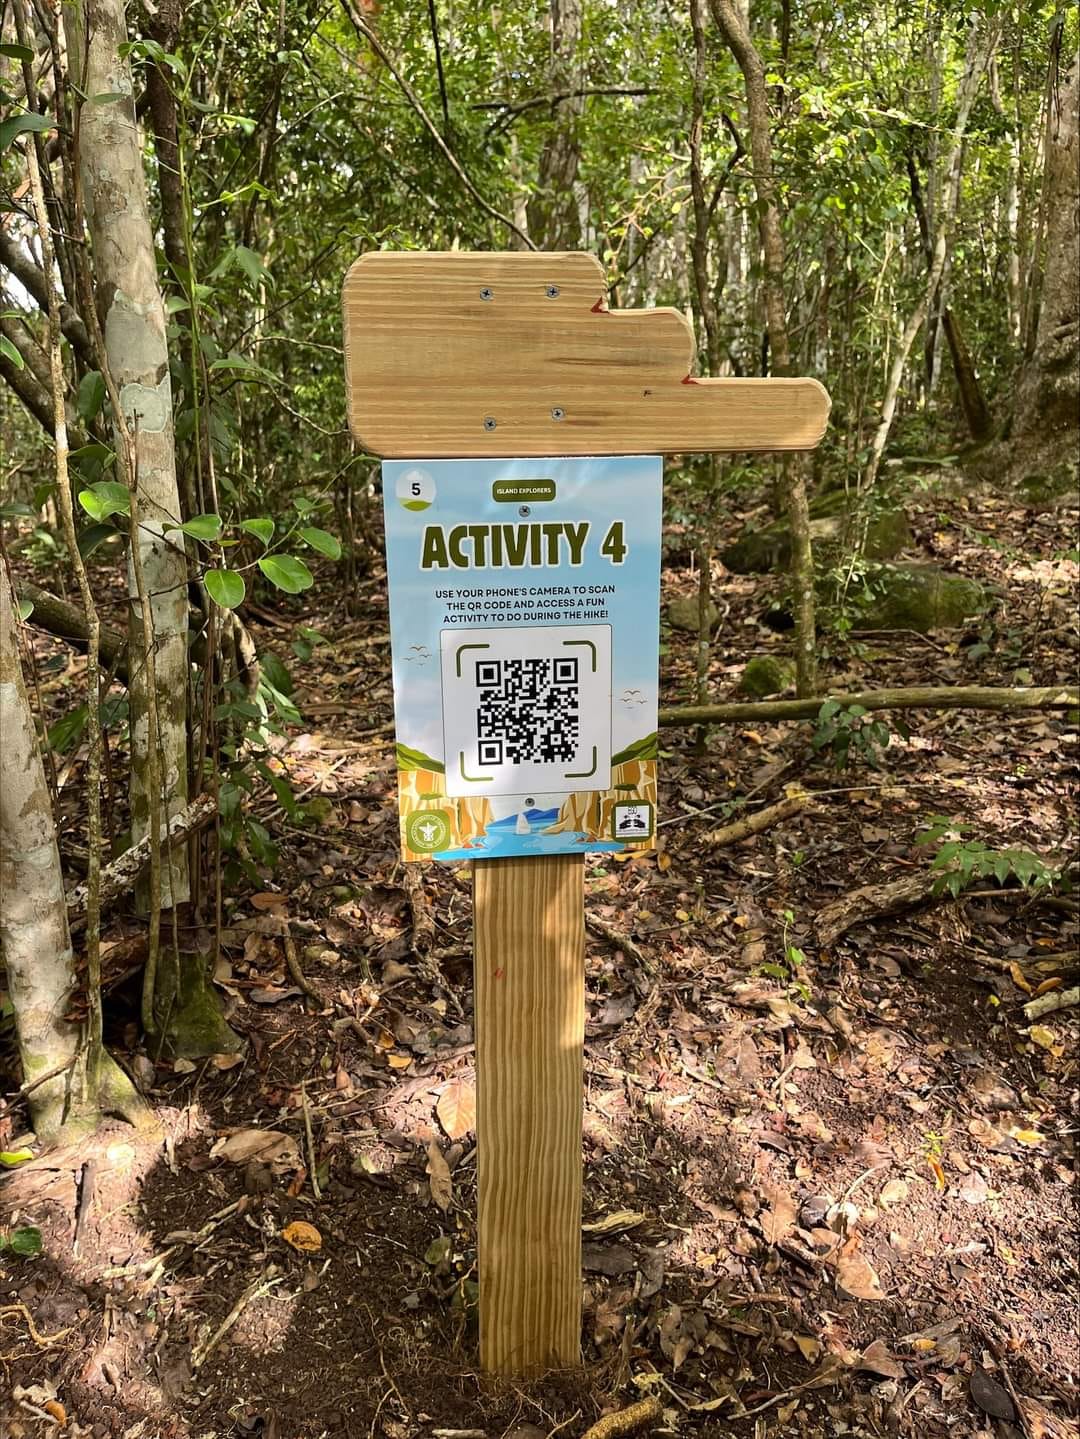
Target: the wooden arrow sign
pixel 450 354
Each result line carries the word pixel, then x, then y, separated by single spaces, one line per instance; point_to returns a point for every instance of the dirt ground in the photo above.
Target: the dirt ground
pixel 828 1190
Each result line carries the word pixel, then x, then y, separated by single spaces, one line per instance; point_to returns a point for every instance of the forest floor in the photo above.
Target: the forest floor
pixel 827 1195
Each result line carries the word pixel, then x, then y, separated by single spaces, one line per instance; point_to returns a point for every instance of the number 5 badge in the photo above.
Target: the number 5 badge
pixel 415 489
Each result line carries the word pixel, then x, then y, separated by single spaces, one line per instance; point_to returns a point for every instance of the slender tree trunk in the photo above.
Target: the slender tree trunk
pixel 980 48
pixel 71 1081
pixel 733 27
pixel 554 221
pixel 1046 413
pixel 132 319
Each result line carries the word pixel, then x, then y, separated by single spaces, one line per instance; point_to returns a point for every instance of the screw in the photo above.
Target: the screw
pixel 529 802
pixel 487 293
pixel 558 413
pixel 552 292
pixel 489 422
pixel 524 511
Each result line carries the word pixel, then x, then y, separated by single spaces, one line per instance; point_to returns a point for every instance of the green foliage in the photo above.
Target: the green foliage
pixel 962 861
pixel 847 730
pixel 23 1241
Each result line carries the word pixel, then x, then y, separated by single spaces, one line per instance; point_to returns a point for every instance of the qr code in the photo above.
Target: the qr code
pixel 526 709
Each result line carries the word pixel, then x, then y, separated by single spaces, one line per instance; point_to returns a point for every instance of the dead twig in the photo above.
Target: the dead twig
pixel 296 973
pixel 1048 1003
pixel 626 1421
pixel 305 1105
pixel 756 823
pixel 255 1290
pixel 619 940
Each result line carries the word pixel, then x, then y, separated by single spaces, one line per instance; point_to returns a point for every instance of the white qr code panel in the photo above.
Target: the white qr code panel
pixel 526 709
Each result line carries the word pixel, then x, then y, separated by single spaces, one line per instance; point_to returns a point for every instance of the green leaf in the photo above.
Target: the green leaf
pixel 262 529
pixel 19 124
pixel 203 527
pixel 273 670
pixel 8 350
pixel 91 395
pixel 16 52
pixel 26 609
pixel 13 509
pixel 107 497
pixel 225 587
pixel 94 536
pixel 10 1158
pixel 25 1241
pixel 68 730
pixel 320 540
pixel 287 572
pixel 251 264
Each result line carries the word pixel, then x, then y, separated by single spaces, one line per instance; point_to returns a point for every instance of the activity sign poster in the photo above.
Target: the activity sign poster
pixel 524 624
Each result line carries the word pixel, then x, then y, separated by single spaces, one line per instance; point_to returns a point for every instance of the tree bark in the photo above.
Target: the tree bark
pixel 554 221
pixel 733 27
pixel 68 622
pixel 132 319
pixel 34 931
pixel 959 697
pixel 980 48
pixel 1046 411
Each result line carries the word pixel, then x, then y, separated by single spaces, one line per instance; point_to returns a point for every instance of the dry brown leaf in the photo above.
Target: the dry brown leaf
pixel 616 1223
pixel 855 1276
pixel 302 1236
pixel 1019 978
pixel 895 1192
pixel 457 1109
pixel 876 1359
pixel 58 1412
pixel 270 1146
pixel 778 1221
pixel 267 900
pixel 442 1186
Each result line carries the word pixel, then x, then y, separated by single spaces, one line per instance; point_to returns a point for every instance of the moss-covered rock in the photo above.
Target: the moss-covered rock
pixel 1057 487
pixel 921 598
pixel 189 1010
pixel 682 614
pixel 766 675
pixel 832 526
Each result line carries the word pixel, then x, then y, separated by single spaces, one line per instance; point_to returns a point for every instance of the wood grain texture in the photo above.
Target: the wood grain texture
pixel 450 354
pixel 530 1033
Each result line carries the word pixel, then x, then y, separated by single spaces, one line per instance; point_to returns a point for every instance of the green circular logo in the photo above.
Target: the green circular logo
pixel 427 830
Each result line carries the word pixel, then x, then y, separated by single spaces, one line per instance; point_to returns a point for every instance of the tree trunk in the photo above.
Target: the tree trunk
pixel 1046 413
pixel 132 319
pixel 34 934
pixel 734 29
pixel 554 221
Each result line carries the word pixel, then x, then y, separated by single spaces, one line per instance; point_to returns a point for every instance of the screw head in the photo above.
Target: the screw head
pixel 489 422
pixel 487 293
pixel 524 511
pixel 558 413
pixel 552 292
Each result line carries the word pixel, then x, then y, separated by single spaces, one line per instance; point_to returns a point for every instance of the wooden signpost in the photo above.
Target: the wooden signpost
pixel 485 356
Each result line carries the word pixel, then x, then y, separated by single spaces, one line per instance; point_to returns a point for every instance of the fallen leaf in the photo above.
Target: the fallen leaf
pixel 58 1412
pixel 399 1061
pixel 302 1236
pixel 616 1223
pixel 226 1061
pixel 442 1186
pixel 809 1347
pixel 456 1109
pixel 267 900
pixel 895 1192
pixel 1019 978
pixel 855 1276
pixel 778 1221
pixel 271 994
pixel 1044 1037
pixel 1049 984
pixel 990 1396
pixel 9 1158
pixel 974 1189
pixel 271 1146
pixel 609 1259
pixel 876 1359
pixel 1028 1136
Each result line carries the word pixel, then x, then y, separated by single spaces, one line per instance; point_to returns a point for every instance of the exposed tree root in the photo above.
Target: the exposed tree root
pixel 625 1421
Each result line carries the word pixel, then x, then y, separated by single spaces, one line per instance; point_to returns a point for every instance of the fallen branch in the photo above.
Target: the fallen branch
pixel 68 622
pixel 754 823
pixel 618 940
pixel 871 901
pixel 117 878
pixel 626 1421
pixel 254 1291
pixel 1048 1003
pixel 296 970
pixel 947 697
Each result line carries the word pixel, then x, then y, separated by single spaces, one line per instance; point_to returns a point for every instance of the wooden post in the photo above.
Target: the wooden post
pixel 529 957
pixel 493 355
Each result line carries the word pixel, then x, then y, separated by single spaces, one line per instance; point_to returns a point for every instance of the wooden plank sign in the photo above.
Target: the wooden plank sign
pixel 517 354
pixel 473 358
